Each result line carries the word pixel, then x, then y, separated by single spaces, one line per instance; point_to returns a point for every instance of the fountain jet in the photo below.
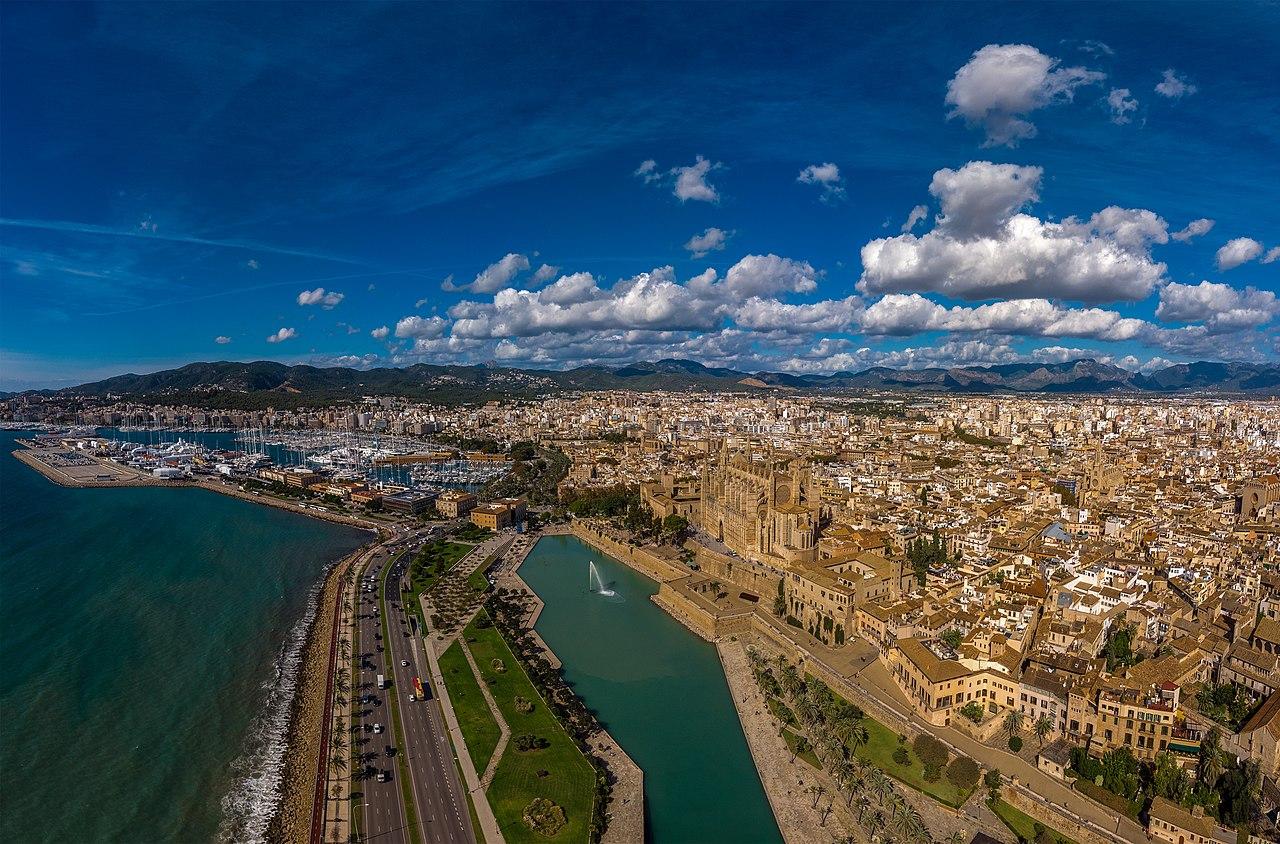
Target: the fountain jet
pixel 595 583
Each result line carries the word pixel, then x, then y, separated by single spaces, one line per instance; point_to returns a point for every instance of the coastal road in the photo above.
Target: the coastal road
pixel 385 820
pixel 439 797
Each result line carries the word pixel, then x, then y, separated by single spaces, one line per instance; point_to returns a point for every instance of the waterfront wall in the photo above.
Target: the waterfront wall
pixel 646 562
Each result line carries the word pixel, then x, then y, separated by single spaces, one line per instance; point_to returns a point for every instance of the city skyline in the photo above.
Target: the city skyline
pixel 797 190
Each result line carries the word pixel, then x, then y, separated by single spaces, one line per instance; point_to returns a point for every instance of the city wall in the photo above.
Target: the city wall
pixel 1015 795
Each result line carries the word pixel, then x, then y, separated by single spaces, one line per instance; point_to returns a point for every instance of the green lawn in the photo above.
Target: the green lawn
pixel 478 726
pixel 879 749
pixel 569 779
pixel 807 755
pixel 1022 825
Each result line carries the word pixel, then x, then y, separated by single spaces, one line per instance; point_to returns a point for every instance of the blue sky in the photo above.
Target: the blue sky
pixel 550 185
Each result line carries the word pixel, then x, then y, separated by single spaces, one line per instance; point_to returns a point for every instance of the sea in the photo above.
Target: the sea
pixel 149 646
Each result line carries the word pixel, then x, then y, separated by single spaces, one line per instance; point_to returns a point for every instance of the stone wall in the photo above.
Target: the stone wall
pixel 646 562
pixel 1016 796
pixel 754 577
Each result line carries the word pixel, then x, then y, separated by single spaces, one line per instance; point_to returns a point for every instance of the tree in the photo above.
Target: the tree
pixel 1169 779
pixel 801 745
pixel 1013 722
pixel 1209 763
pixel 1043 727
pixel 993 780
pixel 951 637
pixel 963 772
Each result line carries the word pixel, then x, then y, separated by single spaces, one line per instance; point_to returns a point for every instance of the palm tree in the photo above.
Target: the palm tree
pixel 956 837
pixel 818 791
pixel 880 784
pixel 875 821
pixel 864 806
pixel 843 772
pixel 339 762
pixel 897 806
pixel 1043 727
pixel 1013 722
pixel 858 736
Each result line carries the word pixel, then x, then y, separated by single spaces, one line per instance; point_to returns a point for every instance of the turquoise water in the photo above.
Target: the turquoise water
pixel 147 639
pixel 658 689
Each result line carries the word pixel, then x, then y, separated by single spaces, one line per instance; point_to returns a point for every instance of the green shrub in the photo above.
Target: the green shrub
pixel 963 771
pixel 1015 743
pixel 901 756
pixel 932 772
pixel 527 743
pixel 931 751
pixel 544 817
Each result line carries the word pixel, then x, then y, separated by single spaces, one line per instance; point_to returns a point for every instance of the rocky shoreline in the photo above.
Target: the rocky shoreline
pixel 293 818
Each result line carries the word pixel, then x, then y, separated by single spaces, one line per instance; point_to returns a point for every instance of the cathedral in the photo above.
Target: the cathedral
pixel 764 507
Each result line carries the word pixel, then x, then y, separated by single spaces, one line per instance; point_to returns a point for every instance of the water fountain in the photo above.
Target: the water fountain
pixel 594 581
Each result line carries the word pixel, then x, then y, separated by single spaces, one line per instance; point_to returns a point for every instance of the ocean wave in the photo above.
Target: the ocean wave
pixel 254 798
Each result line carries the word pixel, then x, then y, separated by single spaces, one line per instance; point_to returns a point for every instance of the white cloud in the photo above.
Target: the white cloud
pixel 500 273
pixel 1121 103
pixel 692 184
pixel 222 339
pixel 983 247
pixel 380 333
pixel 1273 255
pixel 1220 306
pixel 762 275
pixel 1237 251
pixel 1174 86
pixel 761 314
pixel 282 335
pixel 919 213
pixel 912 314
pixel 421 328
pixel 421 302
pixel 711 240
pixel 1002 83
pixel 648 170
pixel 828 176
pixel 252 263
pixel 542 275
pixel 980 197
pixel 1194 229
pixel 327 300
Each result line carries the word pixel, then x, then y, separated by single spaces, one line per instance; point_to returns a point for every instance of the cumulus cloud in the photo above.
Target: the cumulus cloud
pixel 1273 255
pixel 1121 103
pixel 1002 83
pixel 692 184
pixel 761 314
pixel 222 340
pixel 321 297
pixel 828 176
pixel 421 327
pixel 542 275
pixel 1237 251
pixel 1220 306
pixel 1194 229
pixel 652 301
pixel 711 240
pixel 282 335
pixel 983 246
pixel 763 275
pixel 500 273
pixel 1174 86
pixel 919 213
pixel 912 314
pixel 380 333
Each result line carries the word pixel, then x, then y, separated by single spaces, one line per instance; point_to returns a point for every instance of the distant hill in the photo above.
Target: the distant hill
pixel 267 383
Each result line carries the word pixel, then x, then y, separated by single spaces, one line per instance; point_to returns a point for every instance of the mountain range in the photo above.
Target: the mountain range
pixel 259 383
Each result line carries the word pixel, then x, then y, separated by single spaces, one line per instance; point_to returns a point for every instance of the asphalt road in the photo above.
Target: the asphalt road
pixel 439 797
pixel 384 815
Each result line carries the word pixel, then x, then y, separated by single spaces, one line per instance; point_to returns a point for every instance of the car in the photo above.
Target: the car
pixel 383 775
pixel 377 728
pixel 390 751
pixel 404 663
